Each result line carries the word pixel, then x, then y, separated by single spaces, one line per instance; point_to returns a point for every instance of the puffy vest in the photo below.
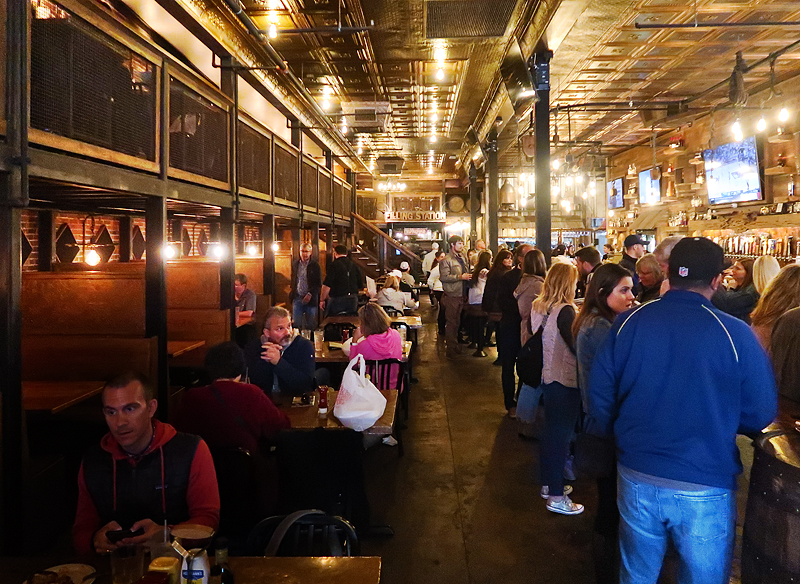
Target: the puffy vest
pixel 155 488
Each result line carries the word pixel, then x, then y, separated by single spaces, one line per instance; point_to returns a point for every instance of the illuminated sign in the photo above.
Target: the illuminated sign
pixel 415 216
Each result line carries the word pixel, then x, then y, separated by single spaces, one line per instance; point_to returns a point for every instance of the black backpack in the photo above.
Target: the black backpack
pixel 530 360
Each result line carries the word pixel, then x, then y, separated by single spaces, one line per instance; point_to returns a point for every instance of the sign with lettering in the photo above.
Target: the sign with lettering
pixel 415 216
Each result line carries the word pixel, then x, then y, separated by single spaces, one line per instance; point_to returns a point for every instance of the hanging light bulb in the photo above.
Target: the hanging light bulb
pixel 736 128
pixel 272 32
pixel 360 150
pixel 761 125
pixel 92 258
pixel 169 252
pixel 434 117
pixel 344 127
pixel 556 164
pixel 440 75
pixel 611 212
pixel 783 115
pixel 433 138
pixel 326 104
pixel 522 177
pixel 275 247
pixel 556 190
pixel 430 170
pixel 252 250
pixel 568 181
pixel 579 179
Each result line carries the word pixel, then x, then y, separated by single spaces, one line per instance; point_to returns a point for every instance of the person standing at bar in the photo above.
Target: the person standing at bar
pixel 508 333
pixel 453 274
pixel 701 377
pixel 341 285
pixel 635 247
pixel 306 287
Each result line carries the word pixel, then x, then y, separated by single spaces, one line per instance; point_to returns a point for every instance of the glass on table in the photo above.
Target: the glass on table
pixel 127 564
pixel 319 337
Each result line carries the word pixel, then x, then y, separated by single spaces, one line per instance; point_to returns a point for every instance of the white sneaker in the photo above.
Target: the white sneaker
pixel 545 492
pixel 565 506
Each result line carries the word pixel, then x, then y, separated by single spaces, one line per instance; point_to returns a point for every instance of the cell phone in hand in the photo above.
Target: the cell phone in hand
pixel 120 534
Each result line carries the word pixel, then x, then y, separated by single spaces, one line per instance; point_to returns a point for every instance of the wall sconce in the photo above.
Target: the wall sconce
pixel 252 248
pixel 171 250
pixel 217 250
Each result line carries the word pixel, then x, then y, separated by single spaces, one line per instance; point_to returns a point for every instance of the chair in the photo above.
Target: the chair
pixel 391 311
pixel 309 533
pixel 323 469
pixel 381 373
pixel 333 331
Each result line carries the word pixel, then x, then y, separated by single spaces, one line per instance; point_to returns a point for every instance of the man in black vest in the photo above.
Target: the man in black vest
pixel 342 283
pixel 142 474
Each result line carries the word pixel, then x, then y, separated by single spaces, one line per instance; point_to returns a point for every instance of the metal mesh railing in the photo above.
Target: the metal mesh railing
pixel 285 174
pixel 341 207
pixel 198 133
pixel 253 159
pixel 325 193
pixel 89 87
pixel 310 174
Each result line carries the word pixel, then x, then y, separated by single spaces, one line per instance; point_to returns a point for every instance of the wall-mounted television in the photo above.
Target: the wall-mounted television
pixel 649 188
pixel 518 80
pixel 732 173
pixel 616 194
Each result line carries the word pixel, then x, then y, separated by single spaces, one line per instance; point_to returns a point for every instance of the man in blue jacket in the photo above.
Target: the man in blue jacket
pixel 675 381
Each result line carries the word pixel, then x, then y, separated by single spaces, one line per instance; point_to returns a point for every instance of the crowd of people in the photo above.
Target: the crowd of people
pixel 660 359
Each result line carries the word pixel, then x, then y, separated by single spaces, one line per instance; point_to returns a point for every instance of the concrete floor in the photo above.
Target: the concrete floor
pixel 464 500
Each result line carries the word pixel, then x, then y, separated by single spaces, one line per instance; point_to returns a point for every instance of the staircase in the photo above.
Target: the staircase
pixel 377 253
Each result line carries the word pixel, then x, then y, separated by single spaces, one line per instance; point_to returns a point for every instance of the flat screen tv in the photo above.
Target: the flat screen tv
pixel 518 81
pixel 615 194
pixel 649 189
pixel 732 173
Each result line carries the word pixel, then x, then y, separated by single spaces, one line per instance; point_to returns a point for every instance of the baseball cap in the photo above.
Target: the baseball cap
pixel 632 240
pixel 697 259
pixel 396 273
pixel 404 266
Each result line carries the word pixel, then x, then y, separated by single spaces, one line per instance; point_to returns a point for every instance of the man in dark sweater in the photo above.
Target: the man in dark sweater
pixel 281 362
pixel 142 474
pixel 675 381
pixel 229 413
pixel 508 332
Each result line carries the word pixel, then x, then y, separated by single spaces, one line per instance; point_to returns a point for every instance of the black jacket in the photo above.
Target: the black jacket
pixel 491 292
pixel 314 276
pixel 629 263
pixel 343 278
pixel 505 296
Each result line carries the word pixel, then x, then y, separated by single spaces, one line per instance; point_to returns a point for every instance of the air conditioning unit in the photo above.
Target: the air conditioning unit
pixel 367 117
pixel 389 165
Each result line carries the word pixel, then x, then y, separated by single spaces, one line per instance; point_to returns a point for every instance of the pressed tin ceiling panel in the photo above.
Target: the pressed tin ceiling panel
pixel 450 19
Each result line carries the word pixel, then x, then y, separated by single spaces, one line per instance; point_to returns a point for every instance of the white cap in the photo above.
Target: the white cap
pixel 404 266
pixel 435 245
pixel 396 273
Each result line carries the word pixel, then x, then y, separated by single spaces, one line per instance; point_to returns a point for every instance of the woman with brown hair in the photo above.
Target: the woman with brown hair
pixel 534 269
pixel 375 339
pixel 476 316
pixel 554 310
pixel 503 262
pixel 740 299
pixel 780 296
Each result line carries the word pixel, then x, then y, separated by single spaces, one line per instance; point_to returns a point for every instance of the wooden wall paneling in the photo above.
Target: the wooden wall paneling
pixel 211 325
pixel 283 276
pixel 253 268
pixel 110 304
pixel 193 284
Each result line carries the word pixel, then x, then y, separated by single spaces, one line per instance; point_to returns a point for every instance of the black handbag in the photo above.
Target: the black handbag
pixel 595 457
pixel 530 360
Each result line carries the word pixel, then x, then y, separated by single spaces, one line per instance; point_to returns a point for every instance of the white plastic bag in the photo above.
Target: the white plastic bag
pixel 359 403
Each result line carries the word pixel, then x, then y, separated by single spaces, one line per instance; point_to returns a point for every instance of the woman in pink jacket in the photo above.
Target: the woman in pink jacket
pixel 375 339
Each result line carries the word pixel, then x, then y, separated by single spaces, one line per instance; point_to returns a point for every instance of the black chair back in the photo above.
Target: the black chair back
pixel 304 534
pixel 391 311
pixel 381 373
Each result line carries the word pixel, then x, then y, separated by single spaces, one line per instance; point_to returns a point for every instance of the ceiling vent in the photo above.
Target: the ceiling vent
pixel 390 165
pixel 454 19
pixel 367 117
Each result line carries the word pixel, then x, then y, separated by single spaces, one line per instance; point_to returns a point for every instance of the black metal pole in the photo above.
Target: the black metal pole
pixel 156 293
pixel 267 239
pixel 494 189
pixel 474 205
pixel 542 159
pixel 46 246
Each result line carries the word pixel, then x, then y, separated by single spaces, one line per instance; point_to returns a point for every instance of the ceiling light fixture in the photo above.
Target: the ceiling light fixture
pixel 556 164
pixel 783 115
pixel 440 75
pixel 272 31
pixel 433 138
pixel 761 125
pixel 736 128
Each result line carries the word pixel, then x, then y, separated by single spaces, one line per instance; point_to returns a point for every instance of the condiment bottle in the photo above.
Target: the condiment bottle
pixel 323 400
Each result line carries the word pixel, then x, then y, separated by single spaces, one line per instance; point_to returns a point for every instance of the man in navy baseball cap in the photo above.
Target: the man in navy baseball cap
pixel 695 262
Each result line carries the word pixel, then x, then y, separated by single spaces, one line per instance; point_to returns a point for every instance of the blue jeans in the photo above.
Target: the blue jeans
pixel 304 316
pixel 701 525
pixel 562 405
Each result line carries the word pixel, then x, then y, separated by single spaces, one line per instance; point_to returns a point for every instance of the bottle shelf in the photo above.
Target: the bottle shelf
pixel 777 170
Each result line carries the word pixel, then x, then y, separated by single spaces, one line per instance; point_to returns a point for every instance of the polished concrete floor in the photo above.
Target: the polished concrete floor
pixel 464 500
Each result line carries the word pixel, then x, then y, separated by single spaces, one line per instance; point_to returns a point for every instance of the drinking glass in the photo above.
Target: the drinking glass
pixel 127 564
pixel 319 337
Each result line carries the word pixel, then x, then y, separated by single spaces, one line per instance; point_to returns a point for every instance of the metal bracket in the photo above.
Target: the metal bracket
pixel 218 65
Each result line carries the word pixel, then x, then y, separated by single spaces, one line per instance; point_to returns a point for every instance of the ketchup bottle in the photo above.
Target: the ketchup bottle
pixel 323 400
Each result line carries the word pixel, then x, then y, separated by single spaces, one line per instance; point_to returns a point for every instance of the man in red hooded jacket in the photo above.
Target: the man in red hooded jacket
pixel 142 474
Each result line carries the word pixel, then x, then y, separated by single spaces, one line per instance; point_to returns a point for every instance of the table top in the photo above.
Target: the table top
pixel 413 321
pixel 357 570
pixel 175 348
pixel 55 396
pixel 308 418
pixel 328 355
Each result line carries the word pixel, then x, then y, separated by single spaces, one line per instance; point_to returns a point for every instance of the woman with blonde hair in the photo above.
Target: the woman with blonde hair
pixel 780 296
pixel 765 269
pixel 554 311
pixel 390 295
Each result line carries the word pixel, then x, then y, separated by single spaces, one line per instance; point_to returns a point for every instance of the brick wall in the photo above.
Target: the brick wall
pixel 30 227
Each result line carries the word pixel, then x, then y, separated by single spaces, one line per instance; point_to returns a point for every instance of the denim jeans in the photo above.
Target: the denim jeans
pixel 701 525
pixel 304 316
pixel 562 405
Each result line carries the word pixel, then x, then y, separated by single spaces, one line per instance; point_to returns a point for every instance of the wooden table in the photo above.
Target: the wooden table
pixel 357 570
pixel 328 355
pixel 55 396
pixel 413 321
pixel 308 418
pixel 175 348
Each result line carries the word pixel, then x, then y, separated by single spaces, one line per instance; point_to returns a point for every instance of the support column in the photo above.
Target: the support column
pixel 14 459
pixel 315 241
pixel 493 188
pixel 295 242
pixel 46 246
pixel 125 235
pixel 474 205
pixel 227 264
pixel 156 294
pixel 267 239
pixel 229 84
pixel 542 159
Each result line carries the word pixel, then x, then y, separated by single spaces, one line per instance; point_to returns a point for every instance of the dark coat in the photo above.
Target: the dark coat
pixel 314 275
